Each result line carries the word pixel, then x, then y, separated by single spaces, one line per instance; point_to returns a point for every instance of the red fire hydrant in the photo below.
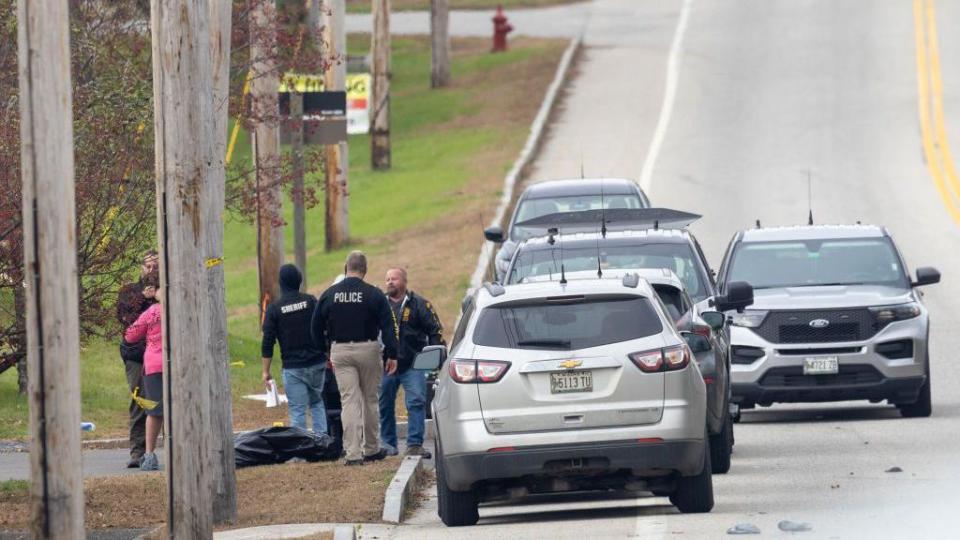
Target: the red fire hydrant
pixel 500 30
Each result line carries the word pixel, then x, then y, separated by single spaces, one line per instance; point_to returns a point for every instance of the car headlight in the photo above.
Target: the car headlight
pixel 750 318
pixel 887 314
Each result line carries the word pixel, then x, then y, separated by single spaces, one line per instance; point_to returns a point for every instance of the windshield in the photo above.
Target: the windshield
pixel 809 263
pixel 567 325
pixel 674 256
pixel 534 208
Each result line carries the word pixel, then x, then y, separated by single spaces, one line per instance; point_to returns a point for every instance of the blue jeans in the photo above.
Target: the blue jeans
pixel 304 388
pixel 414 383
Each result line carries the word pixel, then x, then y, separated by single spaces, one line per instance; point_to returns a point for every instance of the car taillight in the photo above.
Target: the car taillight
pixel 676 357
pixel 478 371
pixel 668 359
pixel 702 329
pixel 648 361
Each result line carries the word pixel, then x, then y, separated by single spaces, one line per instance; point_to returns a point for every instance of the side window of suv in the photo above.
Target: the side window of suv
pixel 461 328
pixel 711 275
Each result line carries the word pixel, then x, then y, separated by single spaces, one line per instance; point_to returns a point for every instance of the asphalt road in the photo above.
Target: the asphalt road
pixel 765 91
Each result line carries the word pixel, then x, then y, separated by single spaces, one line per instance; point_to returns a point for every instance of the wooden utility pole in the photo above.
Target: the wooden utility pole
pixel 380 95
pixel 223 463
pixel 185 157
pixel 440 43
pixel 264 85
pixel 50 264
pixel 336 155
pixel 299 213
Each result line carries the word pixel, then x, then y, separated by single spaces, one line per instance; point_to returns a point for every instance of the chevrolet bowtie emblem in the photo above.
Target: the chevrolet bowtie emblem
pixel 570 364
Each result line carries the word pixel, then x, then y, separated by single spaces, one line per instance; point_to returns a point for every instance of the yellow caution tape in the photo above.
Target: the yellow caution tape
pixel 238 363
pixel 142 402
pixel 213 261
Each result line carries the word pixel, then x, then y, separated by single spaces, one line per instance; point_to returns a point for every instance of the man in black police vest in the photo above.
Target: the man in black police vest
pixel 418 326
pixel 349 317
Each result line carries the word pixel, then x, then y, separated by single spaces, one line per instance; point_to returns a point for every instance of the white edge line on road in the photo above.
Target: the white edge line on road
pixel 526 155
pixel 669 95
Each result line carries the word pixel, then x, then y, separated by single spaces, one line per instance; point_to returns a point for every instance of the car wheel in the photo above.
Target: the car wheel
pixel 721 446
pixel 923 407
pixel 455 508
pixel 694 494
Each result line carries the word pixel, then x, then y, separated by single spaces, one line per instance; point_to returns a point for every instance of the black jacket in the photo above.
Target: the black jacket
pixel 288 321
pixel 354 310
pixel 419 326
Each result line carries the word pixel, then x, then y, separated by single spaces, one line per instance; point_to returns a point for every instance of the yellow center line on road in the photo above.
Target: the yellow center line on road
pixel 936 148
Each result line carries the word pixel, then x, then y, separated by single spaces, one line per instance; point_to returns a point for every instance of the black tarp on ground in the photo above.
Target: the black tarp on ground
pixel 272 445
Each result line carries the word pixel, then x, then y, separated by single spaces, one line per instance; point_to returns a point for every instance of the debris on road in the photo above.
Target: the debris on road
pixel 792 526
pixel 744 528
pixel 894 470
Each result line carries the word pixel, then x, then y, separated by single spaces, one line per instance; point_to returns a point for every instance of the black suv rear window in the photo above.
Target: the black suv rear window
pixel 572 323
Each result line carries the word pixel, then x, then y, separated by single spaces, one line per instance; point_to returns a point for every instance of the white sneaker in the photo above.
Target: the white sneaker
pixel 150 462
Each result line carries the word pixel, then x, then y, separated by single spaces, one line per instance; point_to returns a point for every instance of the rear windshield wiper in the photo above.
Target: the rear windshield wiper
pixel 551 343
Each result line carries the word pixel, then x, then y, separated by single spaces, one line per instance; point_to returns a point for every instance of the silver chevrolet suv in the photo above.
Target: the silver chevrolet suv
pixel 836 316
pixel 567 386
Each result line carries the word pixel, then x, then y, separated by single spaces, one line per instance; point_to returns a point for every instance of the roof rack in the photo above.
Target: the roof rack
pixel 660 218
pixel 494 288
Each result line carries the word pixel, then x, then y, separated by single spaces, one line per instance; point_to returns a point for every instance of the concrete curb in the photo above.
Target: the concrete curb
pixel 537 131
pixel 401 488
pixel 345 532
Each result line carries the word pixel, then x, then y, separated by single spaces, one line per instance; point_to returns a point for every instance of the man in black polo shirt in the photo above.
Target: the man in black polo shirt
pixel 349 317
pixel 288 321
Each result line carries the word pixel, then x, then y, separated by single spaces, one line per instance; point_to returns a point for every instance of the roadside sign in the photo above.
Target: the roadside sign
pixel 316 102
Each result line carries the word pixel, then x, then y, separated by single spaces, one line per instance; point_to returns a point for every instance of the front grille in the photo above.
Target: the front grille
pixel 792 377
pixel 819 351
pixel 794 326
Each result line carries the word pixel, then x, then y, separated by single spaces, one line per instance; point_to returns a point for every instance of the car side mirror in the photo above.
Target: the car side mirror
pixel 430 358
pixel 715 319
pixel 739 296
pixel 926 275
pixel 494 234
pixel 696 342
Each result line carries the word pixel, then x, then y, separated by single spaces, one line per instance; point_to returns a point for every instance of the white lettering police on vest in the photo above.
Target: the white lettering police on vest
pixel 348 297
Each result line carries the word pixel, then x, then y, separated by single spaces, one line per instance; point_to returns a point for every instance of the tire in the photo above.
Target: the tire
pixel 721 446
pixel 923 407
pixel 694 494
pixel 455 508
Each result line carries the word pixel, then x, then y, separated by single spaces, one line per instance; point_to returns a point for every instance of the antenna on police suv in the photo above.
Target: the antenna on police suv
pixel 552 231
pixel 809 197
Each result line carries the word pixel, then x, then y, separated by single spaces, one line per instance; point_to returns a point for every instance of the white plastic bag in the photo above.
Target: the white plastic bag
pixel 273 398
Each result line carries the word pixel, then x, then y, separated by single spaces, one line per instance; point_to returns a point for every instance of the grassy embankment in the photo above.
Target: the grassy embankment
pixel 451 149
pixel 363 6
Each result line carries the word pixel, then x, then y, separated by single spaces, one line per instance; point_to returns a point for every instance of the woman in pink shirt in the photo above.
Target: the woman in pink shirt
pixel 148 326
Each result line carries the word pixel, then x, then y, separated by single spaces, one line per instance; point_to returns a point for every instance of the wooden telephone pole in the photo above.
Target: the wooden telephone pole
pixel 223 469
pixel 440 43
pixel 50 263
pixel 336 155
pixel 185 157
pixel 264 85
pixel 380 95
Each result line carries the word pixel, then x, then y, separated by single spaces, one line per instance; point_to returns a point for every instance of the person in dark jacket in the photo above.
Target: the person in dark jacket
pixel 419 326
pixel 133 299
pixel 304 366
pixel 349 318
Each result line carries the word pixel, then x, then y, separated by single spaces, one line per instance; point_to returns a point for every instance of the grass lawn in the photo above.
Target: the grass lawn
pixel 313 492
pixel 451 149
pixel 363 6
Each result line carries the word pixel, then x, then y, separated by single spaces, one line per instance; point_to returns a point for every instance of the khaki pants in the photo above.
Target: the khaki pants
pixel 359 369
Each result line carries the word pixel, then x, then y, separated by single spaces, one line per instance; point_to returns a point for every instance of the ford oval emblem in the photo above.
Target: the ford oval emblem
pixel 819 323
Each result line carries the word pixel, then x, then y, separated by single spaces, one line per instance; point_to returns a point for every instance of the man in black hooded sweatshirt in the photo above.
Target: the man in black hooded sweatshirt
pixel 304 365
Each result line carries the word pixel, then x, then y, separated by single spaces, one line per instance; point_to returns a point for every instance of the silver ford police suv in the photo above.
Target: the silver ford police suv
pixel 836 316
pixel 564 386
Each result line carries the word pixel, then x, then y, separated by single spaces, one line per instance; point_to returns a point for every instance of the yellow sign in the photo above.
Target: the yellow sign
pixel 358 84
pixel 570 364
